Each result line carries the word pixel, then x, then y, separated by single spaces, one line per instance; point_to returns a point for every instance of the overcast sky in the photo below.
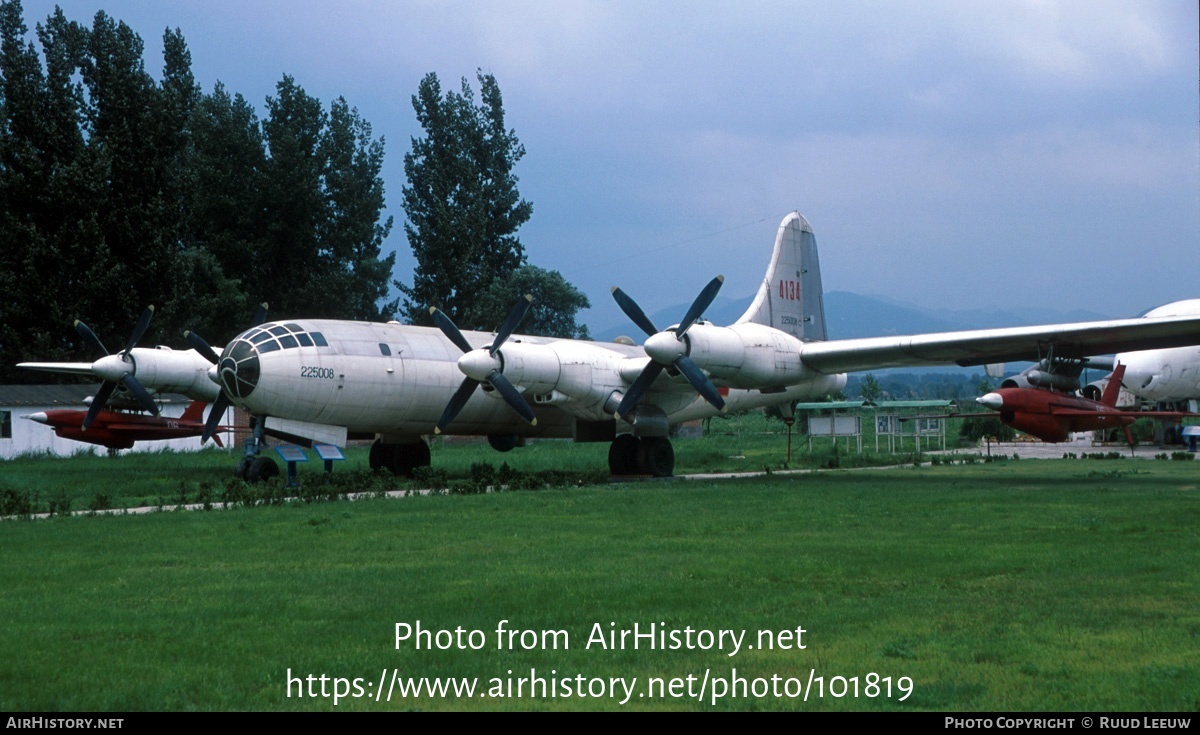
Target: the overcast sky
pixel 948 154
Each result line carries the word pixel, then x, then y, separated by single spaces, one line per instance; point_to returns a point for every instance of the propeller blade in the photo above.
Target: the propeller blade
pixel 633 311
pixel 199 345
pixel 449 329
pixel 497 380
pixel 457 401
pixel 90 336
pixel 141 394
pixel 637 389
pixel 512 396
pixel 139 329
pixel 700 382
pixel 260 315
pixel 217 411
pixel 515 315
pixel 98 402
pixel 702 302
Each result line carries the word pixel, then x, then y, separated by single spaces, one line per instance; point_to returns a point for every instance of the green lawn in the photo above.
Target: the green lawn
pixel 1021 585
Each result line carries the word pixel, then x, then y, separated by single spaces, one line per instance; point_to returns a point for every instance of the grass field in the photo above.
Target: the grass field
pixel 1013 586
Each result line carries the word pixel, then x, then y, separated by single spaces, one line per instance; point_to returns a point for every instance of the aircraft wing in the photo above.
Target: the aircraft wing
pixel 1014 344
pixel 1123 414
pixel 70 368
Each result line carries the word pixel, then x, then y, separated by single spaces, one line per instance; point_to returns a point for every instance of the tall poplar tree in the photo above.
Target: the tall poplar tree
pixel 463 211
pixel 461 201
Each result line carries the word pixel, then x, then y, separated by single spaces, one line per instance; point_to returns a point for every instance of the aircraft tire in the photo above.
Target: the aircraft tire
pixel 261 470
pixel 399 459
pixel 408 457
pixel 504 442
pixel 242 467
pixel 623 455
pixel 656 456
pixel 381 456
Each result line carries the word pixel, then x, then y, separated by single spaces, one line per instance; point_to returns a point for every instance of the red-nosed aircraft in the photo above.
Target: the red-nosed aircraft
pixel 119 430
pixel 1053 416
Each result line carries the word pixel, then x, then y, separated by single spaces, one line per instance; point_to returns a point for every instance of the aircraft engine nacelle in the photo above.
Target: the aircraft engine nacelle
pixel 748 355
pixel 565 371
pixel 1094 391
pixel 1037 378
pixel 535 368
pixel 171 371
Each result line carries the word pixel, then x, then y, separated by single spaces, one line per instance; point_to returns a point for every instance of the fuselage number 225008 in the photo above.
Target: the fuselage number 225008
pixel 320 373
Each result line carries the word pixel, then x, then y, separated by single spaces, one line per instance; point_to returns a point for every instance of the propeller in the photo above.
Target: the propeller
pixel 221 404
pixel 118 368
pixel 667 348
pixel 483 365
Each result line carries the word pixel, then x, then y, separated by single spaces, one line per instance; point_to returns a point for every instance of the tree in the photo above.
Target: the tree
pixel 552 312
pixel 871 390
pixel 117 191
pixel 461 202
pixel 351 236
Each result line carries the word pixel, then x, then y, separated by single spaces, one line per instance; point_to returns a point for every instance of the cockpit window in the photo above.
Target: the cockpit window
pixel 278 337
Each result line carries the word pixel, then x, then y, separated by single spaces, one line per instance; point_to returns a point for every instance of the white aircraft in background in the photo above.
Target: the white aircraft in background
pixel 330 380
pixel 1167 375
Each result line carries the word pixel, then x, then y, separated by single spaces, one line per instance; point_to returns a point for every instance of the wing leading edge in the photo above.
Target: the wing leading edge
pixel 1013 344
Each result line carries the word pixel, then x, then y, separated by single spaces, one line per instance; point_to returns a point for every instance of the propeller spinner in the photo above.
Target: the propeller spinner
pixel 118 368
pixel 483 365
pixel 668 348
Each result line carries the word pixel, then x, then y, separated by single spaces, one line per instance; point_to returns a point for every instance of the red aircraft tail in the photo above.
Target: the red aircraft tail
pixel 1113 389
pixel 194 412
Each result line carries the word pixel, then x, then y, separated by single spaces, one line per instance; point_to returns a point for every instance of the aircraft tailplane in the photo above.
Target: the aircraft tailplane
pixel 194 412
pixel 790 298
pixel 1112 391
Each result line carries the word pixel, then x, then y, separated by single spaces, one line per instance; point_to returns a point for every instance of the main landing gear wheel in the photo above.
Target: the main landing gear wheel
pixel 656 456
pixel 652 455
pixel 622 455
pixel 399 459
pixel 242 467
pixel 261 470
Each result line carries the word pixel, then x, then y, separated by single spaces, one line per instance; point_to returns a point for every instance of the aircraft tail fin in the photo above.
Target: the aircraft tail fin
pixel 790 298
pixel 1113 390
pixel 194 412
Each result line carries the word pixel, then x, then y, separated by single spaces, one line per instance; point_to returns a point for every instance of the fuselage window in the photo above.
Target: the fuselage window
pixel 385 350
pixel 304 340
pixel 319 339
pixel 288 342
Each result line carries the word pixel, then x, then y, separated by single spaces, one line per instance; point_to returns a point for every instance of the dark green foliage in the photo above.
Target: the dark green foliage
pixel 461 201
pixel 16 503
pixel 976 428
pixel 119 191
pixel 871 390
pixel 552 312
pixel 463 211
